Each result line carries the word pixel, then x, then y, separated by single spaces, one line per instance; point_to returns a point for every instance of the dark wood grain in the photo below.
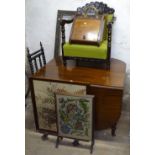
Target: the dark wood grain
pixel 55 70
pixel 87 30
pixel 106 85
pixel 108 103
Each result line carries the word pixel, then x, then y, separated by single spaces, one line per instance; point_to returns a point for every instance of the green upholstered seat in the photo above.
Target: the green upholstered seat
pixel 86 51
pixel 89 51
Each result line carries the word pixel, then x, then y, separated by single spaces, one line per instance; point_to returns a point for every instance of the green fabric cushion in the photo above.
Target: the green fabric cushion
pixel 86 51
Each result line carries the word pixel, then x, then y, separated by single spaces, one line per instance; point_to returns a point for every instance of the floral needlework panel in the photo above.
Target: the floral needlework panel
pixel 74 116
pixel 45 100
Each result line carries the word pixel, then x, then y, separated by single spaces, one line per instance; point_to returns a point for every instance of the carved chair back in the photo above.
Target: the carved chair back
pixel 94 9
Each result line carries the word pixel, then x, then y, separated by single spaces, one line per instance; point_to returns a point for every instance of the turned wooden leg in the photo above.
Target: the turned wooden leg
pixel 75 142
pixel 64 62
pixel 44 136
pixel 77 62
pixel 113 129
pixel 91 147
pixel 107 66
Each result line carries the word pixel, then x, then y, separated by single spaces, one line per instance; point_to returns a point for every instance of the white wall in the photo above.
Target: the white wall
pixel 41 24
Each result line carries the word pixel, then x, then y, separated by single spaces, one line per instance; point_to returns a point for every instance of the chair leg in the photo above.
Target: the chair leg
pixel 27 93
pixel 77 62
pixel 28 89
pixel 107 65
pixel 64 61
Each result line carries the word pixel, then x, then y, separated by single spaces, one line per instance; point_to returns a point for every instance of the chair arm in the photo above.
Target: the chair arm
pixel 64 21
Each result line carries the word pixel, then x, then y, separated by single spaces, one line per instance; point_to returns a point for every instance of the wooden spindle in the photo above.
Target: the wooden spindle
pixel 35 63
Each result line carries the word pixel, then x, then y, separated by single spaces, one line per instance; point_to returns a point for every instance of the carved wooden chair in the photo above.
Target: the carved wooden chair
pixel 89 53
pixel 36 59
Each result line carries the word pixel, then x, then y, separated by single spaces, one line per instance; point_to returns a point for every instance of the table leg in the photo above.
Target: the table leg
pixel 113 130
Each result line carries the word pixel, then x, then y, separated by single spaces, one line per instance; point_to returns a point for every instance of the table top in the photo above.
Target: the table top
pixel 54 70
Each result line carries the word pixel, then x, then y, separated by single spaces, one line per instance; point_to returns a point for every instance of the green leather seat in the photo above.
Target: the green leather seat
pixel 89 51
pixel 86 51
